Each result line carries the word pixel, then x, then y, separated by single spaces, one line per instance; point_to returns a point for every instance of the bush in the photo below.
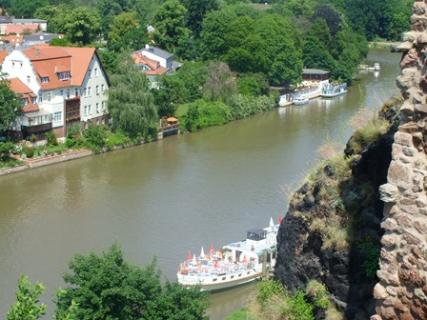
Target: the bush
pixel 202 114
pixel 252 84
pixel 371 256
pixel 51 139
pixel 267 290
pixel 297 308
pixel 116 139
pixel 95 137
pixel 368 134
pixel 241 314
pixel 73 136
pixel 318 293
pixel 28 151
pixel 6 149
pixel 245 106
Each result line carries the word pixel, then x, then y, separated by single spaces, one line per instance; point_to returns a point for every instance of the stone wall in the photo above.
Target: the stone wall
pixel 401 292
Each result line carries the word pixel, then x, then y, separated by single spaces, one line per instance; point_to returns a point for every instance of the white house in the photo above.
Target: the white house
pixel 68 86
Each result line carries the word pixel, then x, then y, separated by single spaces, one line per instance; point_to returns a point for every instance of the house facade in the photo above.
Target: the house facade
pixel 67 86
pixel 10 25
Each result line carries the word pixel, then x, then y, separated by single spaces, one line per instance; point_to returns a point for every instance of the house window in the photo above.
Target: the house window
pixel 89 109
pixel 97 107
pixel 89 91
pixel 96 71
pixel 103 106
pixel 57 116
pixel 76 92
pixel 64 75
pixel 28 79
pixel 48 97
pixel 97 90
pixel 68 93
pixel 40 98
pixel 33 100
pixel 44 79
pixel 89 73
pixel 85 91
pixel 24 102
pixel 102 88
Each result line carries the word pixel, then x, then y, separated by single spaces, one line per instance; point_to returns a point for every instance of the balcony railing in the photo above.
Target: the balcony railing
pixel 36 129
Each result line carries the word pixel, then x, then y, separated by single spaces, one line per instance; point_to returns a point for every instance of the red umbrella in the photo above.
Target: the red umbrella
pixel 211 250
pixel 189 255
pixel 280 219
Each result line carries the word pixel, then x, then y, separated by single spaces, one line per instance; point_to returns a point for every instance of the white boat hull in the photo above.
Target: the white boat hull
pixel 333 95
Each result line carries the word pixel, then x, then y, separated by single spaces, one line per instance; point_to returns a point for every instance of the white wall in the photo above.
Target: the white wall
pixel 17 65
pixel 152 56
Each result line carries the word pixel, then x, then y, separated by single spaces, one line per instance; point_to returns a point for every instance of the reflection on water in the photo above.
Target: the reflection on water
pixel 166 198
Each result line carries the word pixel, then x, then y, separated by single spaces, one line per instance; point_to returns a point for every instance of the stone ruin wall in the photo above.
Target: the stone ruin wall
pixel 401 292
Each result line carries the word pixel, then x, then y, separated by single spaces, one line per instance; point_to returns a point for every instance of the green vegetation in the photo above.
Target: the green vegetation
pixel 107 287
pixel 10 107
pixel 27 306
pixel 368 134
pixel 371 256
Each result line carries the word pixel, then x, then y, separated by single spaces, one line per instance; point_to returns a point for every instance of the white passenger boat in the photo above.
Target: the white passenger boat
pixel 377 66
pixel 300 100
pixel 331 90
pixel 235 264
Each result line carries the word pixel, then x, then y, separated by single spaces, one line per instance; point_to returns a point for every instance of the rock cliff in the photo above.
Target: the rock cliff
pixel 359 222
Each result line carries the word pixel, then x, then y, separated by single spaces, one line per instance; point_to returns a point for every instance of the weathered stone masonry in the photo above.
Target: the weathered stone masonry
pixel 402 290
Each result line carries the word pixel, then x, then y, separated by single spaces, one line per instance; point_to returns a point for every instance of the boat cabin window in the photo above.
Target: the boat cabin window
pixel 223 278
pixel 257 234
pixel 214 279
pixel 240 274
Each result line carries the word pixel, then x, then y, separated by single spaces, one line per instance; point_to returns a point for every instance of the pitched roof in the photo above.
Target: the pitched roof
pixel 3 55
pixel 154 66
pixel 48 61
pixel 26 93
pixel 158 52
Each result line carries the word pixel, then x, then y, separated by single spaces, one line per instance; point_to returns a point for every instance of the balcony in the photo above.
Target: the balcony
pixel 72 109
pixel 37 125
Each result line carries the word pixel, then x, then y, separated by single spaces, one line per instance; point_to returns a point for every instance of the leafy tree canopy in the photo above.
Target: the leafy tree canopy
pixel 10 107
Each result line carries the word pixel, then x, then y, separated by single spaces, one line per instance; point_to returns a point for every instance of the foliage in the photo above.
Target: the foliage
pixel 244 106
pixel 51 139
pixel 241 314
pixel 26 8
pixel 318 293
pixel 297 308
pixel 6 149
pixel 82 25
pixel 126 32
pixel 368 134
pixel 131 104
pixel 268 289
pixel 28 151
pixel 252 84
pixel 107 287
pixel 115 139
pixel 27 306
pixel 74 136
pixel 10 107
pixel 95 137
pixel 220 82
pixel 183 86
pixel 196 11
pixel 170 25
pixel 371 255
pixel 202 114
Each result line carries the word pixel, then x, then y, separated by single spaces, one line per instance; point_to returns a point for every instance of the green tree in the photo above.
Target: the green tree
pixel 10 107
pixel 82 25
pixel 27 306
pixel 26 8
pixel 196 11
pixel 5 149
pixel 220 82
pixel 126 32
pixel 252 84
pixel 169 22
pixel 107 287
pixel 131 105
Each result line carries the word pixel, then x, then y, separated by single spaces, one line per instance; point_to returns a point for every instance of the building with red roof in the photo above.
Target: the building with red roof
pixel 60 87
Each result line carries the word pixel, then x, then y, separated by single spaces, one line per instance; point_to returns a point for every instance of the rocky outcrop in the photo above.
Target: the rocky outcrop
pixel 337 200
pixel 401 292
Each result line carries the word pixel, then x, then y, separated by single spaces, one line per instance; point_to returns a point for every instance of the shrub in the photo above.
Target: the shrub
pixel 116 139
pixel 318 293
pixel 33 138
pixel 241 314
pixel 368 134
pixel 6 149
pixel 28 151
pixel 297 308
pixel 73 136
pixel 95 137
pixel 252 84
pixel 333 314
pixel 371 256
pixel 268 289
pixel 202 114
pixel 245 106
pixel 51 139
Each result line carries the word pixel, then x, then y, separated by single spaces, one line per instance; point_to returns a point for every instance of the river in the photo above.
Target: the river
pixel 163 199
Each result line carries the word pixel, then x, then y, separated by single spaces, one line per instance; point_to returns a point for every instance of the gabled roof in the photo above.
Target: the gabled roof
pixel 158 52
pixel 154 66
pixel 26 93
pixel 48 61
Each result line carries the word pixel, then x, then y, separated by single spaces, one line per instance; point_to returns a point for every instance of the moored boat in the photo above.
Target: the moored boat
pixel 331 90
pixel 300 100
pixel 234 264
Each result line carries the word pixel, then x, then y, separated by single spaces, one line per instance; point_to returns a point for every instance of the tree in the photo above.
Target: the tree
pixel 252 84
pixel 26 8
pixel 126 32
pixel 220 83
pixel 331 16
pixel 10 107
pixel 131 105
pixel 27 306
pixel 82 25
pixel 107 287
pixel 170 25
pixel 196 11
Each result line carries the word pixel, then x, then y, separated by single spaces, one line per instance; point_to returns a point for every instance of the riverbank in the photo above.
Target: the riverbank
pixel 383 44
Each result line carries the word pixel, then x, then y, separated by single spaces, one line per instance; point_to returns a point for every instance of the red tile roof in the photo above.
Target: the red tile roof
pixel 26 93
pixel 3 55
pixel 48 61
pixel 21 28
pixel 153 65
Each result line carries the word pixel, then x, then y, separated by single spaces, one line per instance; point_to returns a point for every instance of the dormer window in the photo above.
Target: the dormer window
pixel 44 79
pixel 66 75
